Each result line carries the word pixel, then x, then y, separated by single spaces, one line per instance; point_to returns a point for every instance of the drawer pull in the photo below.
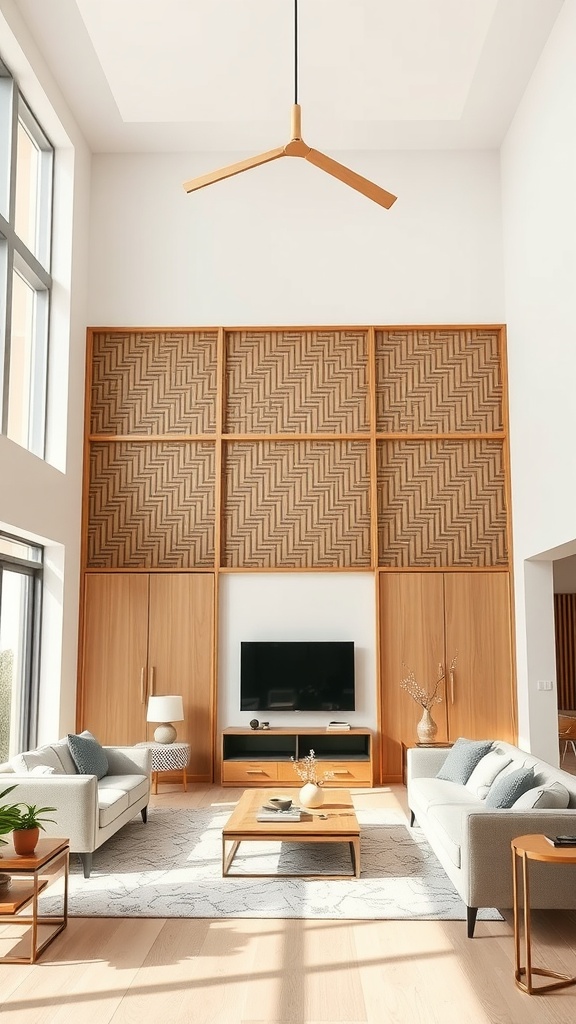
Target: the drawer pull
pixel 341 771
pixel 255 771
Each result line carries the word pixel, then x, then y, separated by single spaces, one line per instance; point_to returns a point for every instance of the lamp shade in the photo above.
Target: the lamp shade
pixel 165 709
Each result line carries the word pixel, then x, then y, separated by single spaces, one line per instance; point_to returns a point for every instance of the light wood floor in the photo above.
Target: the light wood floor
pixel 302 972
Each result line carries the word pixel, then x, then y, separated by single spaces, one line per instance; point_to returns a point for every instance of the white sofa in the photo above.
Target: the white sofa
pixel 88 810
pixel 472 841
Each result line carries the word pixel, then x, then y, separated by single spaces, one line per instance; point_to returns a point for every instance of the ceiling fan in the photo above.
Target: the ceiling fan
pixel 297 147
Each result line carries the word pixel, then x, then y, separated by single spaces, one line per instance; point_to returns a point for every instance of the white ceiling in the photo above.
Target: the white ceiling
pixel 208 75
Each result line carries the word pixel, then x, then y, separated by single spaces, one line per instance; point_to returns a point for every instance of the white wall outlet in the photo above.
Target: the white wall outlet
pixel 544 684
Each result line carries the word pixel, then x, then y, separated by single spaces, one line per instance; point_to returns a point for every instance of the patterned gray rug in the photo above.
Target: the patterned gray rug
pixel 171 867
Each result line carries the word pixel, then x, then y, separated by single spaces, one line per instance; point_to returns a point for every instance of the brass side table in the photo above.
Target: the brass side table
pixel 30 875
pixel 525 849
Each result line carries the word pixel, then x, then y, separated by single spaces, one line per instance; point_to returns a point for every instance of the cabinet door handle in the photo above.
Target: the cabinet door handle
pixel 142 694
pixel 151 675
pixel 452 685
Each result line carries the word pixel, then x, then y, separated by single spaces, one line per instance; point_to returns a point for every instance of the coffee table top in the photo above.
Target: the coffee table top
pixel 340 821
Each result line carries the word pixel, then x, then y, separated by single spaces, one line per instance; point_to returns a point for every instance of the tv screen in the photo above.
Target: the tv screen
pixel 294 675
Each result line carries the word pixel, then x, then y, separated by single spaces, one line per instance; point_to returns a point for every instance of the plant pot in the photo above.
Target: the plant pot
pixel 25 840
pixel 426 728
pixel 311 795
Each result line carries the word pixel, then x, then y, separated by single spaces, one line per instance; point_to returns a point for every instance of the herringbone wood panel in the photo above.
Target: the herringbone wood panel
pixel 296 505
pixel 438 381
pixel 441 503
pixel 151 504
pixel 158 382
pixel 297 381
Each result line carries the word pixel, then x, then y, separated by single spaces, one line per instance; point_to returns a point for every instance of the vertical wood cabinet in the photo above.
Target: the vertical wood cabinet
pixel 425 620
pixel 147 634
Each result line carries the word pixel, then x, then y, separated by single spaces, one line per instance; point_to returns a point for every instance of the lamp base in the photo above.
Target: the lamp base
pixel 165 733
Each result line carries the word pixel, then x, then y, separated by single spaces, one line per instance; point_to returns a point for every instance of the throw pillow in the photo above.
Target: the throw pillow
pixel 553 795
pixel 29 759
pixel 88 756
pixel 486 771
pixel 506 791
pixel 462 760
pixel 42 769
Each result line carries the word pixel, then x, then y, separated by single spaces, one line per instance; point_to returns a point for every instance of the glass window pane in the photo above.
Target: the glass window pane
pixel 27 178
pixel 21 361
pixel 19 548
pixel 13 647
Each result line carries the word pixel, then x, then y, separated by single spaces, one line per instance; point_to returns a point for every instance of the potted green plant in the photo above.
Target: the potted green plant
pixel 9 815
pixel 27 827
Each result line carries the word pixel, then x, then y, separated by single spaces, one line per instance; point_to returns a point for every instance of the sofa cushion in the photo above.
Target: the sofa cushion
pixel 462 759
pixel 555 795
pixel 30 759
pixel 426 793
pixel 60 748
pixel 88 756
pixel 506 791
pixel 111 803
pixel 445 822
pixel 486 771
pixel 135 786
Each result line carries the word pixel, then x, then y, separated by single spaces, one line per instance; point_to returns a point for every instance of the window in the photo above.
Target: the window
pixel 20 596
pixel 26 160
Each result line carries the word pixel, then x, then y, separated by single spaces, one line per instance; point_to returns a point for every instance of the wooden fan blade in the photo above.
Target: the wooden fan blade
pixel 367 188
pixel 232 169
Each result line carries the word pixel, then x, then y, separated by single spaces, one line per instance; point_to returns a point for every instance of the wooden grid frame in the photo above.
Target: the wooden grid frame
pixel 305 387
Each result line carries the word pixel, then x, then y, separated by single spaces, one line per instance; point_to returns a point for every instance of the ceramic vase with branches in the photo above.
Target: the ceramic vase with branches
pixel 426 728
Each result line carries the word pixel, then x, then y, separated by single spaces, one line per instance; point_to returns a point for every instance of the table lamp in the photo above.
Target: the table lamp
pixel 165 709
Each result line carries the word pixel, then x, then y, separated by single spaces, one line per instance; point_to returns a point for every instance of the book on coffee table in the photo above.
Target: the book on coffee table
pixel 292 814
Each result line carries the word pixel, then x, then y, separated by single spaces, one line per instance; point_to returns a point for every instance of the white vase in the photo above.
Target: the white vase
pixel 426 727
pixel 311 795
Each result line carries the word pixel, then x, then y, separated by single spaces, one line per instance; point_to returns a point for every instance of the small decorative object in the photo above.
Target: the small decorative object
pixel 283 803
pixel 265 725
pixel 254 723
pixel 5 881
pixel 9 816
pixel 306 768
pixel 27 829
pixel 165 709
pixel 426 728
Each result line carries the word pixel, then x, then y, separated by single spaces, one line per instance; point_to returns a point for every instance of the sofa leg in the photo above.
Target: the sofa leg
pixel 86 859
pixel 471 918
pixel 412 818
pixel 144 813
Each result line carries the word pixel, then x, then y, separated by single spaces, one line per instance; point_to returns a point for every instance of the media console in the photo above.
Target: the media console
pixel 261 757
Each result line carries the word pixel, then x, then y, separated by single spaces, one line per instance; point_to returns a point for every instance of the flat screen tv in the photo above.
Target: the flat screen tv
pixel 297 675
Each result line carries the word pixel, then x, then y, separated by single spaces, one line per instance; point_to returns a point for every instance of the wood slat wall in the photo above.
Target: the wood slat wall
pixel 565 628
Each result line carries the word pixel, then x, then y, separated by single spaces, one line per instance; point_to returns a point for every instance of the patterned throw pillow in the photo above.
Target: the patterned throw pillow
pixel 462 760
pixel 505 792
pixel 88 756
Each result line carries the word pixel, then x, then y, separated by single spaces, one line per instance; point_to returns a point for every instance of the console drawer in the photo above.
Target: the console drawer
pixel 347 773
pixel 257 773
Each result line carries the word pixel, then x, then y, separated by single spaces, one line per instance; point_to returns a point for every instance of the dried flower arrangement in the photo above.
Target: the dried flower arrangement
pixel 307 769
pixel 426 698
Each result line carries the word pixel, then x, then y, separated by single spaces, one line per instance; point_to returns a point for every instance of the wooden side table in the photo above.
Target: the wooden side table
pixel 168 757
pixel 525 849
pixel 51 858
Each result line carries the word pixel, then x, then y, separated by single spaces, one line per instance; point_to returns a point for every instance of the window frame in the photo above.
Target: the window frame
pixel 16 257
pixel 27 727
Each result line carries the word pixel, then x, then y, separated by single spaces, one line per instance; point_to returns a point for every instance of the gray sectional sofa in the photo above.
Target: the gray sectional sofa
pixel 472 840
pixel 88 810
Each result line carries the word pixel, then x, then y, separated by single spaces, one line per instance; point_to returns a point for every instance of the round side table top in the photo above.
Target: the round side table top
pixel 537 847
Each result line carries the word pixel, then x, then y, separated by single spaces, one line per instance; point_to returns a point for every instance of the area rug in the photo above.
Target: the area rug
pixel 172 867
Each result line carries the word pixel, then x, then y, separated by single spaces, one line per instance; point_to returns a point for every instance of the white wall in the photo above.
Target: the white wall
pixel 286 244
pixel 42 500
pixel 539 230
pixel 297 606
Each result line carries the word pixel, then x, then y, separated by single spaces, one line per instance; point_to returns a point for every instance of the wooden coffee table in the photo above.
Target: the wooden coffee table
pixel 339 826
